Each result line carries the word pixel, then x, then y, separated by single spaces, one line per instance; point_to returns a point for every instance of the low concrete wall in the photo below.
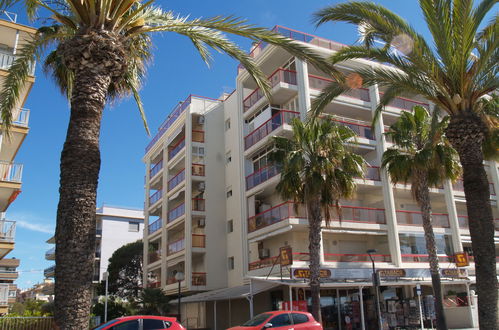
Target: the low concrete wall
pixel 459 317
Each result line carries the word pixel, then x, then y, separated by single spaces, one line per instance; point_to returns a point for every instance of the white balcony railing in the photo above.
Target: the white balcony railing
pixel 11 172
pixel 7 230
pixel 4 294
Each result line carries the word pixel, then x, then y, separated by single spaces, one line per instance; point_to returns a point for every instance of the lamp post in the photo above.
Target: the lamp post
pixel 179 277
pixel 376 285
pixel 106 276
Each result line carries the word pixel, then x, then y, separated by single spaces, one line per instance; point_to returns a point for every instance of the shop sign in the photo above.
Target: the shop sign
pixel 305 273
pixel 298 305
pixel 395 272
pixel 462 259
pixel 454 272
pixel 286 255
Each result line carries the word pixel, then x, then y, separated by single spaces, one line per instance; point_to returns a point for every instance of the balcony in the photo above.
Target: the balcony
pixel 362 215
pixel 262 263
pixel 10 172
pixel 7 59
pixel 175 149
pixel 273 215
pixel 356 257
pixel 278 120
pixel 198 279
pixel 154 256
pixel 155 226
pixel 361 128
pixel 176 180
pixel 176 213
pixel 155 197
pixel 260 176
pixel 406 104
pixel 459 186
pixel 319 83
pixel 198 204
pixel 155 169
pixel 412 218
pixel 50 254
pixel 197 136
pixel 176 246
pixel 197 169
pixel 372 173
pixel 49 272
pixel 425 258
pixel 463 222
pixel 198 241
pixel 7 231
pixel 278 76
pixel 154 285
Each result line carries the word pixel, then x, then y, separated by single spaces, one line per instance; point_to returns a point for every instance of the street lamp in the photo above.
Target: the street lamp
pixel 105 275
pixel 179 277
pixel 376 285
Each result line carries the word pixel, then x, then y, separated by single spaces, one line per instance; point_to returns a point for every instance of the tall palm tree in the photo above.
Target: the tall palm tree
pixel 100 51
pixel 318 170
pixel 423 157
pixel 453 70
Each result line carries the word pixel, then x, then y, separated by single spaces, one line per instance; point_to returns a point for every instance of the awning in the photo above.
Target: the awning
pixel 237 292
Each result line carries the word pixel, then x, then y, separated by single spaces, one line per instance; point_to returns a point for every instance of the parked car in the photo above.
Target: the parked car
pixel 281 320
pixel 141 322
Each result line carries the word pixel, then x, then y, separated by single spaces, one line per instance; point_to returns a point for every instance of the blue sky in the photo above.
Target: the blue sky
pixel 175 72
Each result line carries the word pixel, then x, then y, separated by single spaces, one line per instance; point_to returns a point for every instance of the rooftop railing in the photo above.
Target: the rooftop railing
pixel 413 218
pixel 11 172
pixel 262 175
pixel 155 226
pixel 7 231
pixel 280 118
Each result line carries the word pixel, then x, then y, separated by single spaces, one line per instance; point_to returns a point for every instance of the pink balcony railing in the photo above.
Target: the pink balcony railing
pixel 282 117
pixel 262 175
pixel 273 215
pixel 412 218
pixel 263 263
pixel 424 258
pixel 198 279
pixel 197 169
pixel 198 240
pixel 155 226
pixel 155 197
pixel 362 214
pixel 176 246
pixel 405 103
pixel 197 136
pixel 176 180
pixel 175 149
pixel 463 222
pixel 278 76
pixel 176 212
pixel 356 257
pixel 362 129
pixel 156 168
pixel 198 204
pixel 459 186
pixel 319 83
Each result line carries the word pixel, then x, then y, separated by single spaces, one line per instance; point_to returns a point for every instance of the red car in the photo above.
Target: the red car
pixel 281 320
pixel 141 322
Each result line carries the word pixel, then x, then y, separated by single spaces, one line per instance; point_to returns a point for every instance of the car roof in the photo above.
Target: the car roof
pixel 283 312
pixel 154 317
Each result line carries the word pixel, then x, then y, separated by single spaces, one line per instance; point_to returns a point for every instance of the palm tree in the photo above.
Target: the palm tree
pixel 454 71
pixel 100 51
pixel 423 157
pixel 317 170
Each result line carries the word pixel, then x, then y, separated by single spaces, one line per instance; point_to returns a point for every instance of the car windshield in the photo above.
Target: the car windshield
pixel 257 320
pixel 102 326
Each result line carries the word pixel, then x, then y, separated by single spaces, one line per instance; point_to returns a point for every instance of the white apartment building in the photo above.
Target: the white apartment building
pixel 253 222
pixel 116 226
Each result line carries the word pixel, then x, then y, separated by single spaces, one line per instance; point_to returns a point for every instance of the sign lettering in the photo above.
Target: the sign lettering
pixel 462 259
pixel 286 256
pixel 305 273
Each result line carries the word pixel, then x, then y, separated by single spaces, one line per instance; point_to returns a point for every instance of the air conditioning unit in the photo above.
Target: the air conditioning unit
pixel 201 223
pixel 201 120
pixel 201 186
pixel 263 253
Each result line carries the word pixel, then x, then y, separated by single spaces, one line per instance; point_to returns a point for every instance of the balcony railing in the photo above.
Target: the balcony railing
pixel 372 173
pixel 176 246
pixel 282 117
pixel 198 204
pixel 197 136
pixel 198 279
pixel 155 226
pixel 356 257
pixel 155 169
pixel 10 172
pixel 262 175
pixel 198 240
pixel 425 258
pixel 319 83
pixel 50 254
pixel 154 256
pixel 278 76
pixel 411 218
pixel 7 231
pixel 273 215
pixel 362 214
pixel 463 222
pixel 459 186
pixel 405 104
pixel 197 169
pixel 7 59
pixel 49 272
pixel 176 212
pixel 175 149
pixel 176 180
pixel 263 263
pixel 360 128
pixel 155 197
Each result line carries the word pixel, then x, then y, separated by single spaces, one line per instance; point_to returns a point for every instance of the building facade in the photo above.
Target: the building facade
pixel 258 222
pixel 116 226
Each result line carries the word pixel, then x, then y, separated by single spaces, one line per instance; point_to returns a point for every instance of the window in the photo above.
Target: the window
pixel 130 325
pixel 229 193
pixel 12 293
pixel 133 226
pixel 280 321
pixel 299 318
pixel 228 157
pixel 227 124
pixel 231 263
pixel 230 226
pixel 260 160
pixel 152 324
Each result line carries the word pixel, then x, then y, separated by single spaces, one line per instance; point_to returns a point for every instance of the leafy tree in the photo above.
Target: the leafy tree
pixel 153 301
pixel 31 307
pixel 454 70
pixel 115 308
pixel 317 170
pixel 125 271
pixel 423 157
pixel 101 48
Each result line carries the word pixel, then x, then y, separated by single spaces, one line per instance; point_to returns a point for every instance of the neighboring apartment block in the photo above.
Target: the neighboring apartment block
pixel 241 257
pixel 12 38
pixel 116 226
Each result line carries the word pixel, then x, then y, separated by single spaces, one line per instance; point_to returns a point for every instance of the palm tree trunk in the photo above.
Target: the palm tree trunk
pixel 80 165
pixel 423 198
pixel 314 236
pixel 466 134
